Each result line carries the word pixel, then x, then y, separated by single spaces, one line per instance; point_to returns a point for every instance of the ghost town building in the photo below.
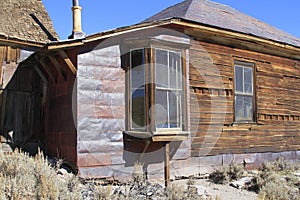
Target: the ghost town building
pixel 196 86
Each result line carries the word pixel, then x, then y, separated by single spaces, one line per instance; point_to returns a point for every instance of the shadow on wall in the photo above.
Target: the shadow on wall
pixel 21 114
pixel 147 152
pixel 49 35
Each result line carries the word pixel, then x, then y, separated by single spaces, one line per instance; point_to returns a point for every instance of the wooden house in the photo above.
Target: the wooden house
pixel 24 27
pixel 196 86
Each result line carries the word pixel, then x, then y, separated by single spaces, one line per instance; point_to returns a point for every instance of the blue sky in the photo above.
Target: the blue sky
pixel 101 15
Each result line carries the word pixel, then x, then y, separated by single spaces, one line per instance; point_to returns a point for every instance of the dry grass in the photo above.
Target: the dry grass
pixel 24 177
pixel 226 174
pixel 276 180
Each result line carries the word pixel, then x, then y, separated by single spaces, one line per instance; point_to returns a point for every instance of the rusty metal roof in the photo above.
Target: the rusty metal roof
pixel 26 20
pixel 225 17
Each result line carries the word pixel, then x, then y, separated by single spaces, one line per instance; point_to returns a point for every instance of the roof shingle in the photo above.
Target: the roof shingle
pixel 225 17
pixel 26 20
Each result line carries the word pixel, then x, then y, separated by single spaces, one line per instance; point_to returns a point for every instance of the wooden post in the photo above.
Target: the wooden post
pixel 167 164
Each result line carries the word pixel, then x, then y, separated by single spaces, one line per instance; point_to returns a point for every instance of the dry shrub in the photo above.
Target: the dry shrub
pixel 278 191
pixel 219 176
pixel 282 165
pixel 103 192
pixel 175 193
pixel 25 177
pixel 276 180
pixel 138 175
pixel 226 174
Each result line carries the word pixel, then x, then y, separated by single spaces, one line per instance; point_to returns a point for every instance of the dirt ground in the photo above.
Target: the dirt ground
pixel 224 192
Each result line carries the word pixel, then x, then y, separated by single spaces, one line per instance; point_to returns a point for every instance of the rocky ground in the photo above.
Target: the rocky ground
pixel 219 191
pixel 201 189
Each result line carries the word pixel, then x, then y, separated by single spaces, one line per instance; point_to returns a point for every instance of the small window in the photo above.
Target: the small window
pixel 244 92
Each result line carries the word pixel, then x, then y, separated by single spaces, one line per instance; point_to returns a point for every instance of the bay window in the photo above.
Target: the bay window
pixel 156 91
pixel 160 81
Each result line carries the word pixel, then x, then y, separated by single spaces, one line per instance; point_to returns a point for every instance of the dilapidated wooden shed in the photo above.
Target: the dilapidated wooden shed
pixel 24 27
pixel 199 82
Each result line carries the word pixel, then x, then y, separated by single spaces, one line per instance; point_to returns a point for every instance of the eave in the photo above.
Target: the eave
pixel 104 35
pixel 249 42
pixel 12 41
pixel 204 31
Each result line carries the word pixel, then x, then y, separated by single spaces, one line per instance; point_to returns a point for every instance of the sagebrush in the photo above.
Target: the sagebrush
pixel 25 177
pixel 277 180
pixel 227 173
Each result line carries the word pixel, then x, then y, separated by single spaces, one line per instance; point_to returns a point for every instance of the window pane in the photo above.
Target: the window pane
pixel 137 58
pixel 174 109
pixel 161 68
pixel 238 79
pixel 243 108
pixel 137 69
pixel 175 70
pixel 138 108
pixel 248 104
pixel 248 80
pixel 161 108
pixel 137 77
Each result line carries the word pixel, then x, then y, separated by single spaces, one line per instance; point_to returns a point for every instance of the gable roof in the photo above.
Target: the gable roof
pixel 26 20
pixel 225 17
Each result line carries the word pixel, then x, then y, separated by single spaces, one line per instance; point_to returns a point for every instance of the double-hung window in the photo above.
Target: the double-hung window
pixel 244 92
pixel 168 89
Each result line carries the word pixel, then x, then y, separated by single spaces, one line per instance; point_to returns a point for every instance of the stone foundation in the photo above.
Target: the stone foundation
pixel 194 166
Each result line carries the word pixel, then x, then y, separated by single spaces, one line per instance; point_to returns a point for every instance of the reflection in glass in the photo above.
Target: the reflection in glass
pixel 175 71
pixel 248 80
pixel 161 68
pixel 175 107
pixel 137 69
pixel 243 108
pixel 161 111
pixel 239 86
pixel 243 93
pixel 168 71
pixel 167 92
pixel 138 108
pixel 137 85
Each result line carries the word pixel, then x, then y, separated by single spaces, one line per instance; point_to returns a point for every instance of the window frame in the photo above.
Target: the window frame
pixel 130 88
pixel 150 90
pixel 170 89
pixel 245 64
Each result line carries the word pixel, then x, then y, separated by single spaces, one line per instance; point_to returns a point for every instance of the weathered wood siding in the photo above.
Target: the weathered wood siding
pixel 60 117
pixel 277 82
pixel 20 99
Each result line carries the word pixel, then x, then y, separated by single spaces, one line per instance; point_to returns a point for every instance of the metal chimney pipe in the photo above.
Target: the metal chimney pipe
pixel 77 30
pixel 75 3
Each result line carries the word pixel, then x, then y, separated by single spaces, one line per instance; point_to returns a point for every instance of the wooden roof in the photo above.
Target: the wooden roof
pixel 26 20
pixel 225 17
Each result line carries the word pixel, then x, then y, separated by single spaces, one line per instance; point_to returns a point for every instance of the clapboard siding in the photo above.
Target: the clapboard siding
pixel 20 100
pixel 277 83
